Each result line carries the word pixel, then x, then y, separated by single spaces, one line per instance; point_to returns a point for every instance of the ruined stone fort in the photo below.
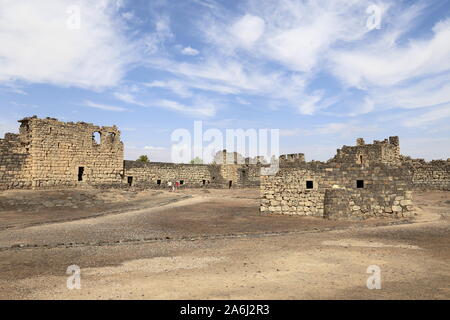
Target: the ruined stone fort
pixel 366 180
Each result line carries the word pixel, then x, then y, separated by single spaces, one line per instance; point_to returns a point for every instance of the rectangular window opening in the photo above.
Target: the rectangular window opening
pixel 80 173
pixel 130 181
pixel 309 184
pixel 97 137
pixel 158 182
pixel 181 182
pixel 360 184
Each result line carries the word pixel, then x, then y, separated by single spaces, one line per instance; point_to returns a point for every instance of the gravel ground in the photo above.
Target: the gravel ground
pixel 215 245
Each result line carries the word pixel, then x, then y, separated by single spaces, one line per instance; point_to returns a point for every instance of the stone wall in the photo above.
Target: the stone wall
pixel 68 153
pixel 311 190
pixel 386 151
pixel 344 203
pixel 294 159
pixel 366 180
pixel 49 153
pixel 287 193
pixel 157 175
pixel 15 161
pixel 362 181
pixel 433 175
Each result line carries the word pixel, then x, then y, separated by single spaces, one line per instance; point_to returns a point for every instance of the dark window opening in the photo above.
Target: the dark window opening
pixel 80 173
pixel 96 137
pixel 158 182
pixel 309 184
pixel 111 137
pixel 361 159
pixel 130 181
pixel 181 182
pixel 360 184
pixel 230 184
pixel 204 182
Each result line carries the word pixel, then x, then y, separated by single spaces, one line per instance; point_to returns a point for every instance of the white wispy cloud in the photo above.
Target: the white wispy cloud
pixel 427 92
pixel 183 87
pixel 270 50
pixel 429 117
pixel 104 107
pixel 199 107
pixel 24 105
pixel 152 148
pixel 127 98
pixel 365 67
pixel 155 42
pixel 296 35
pixel 190 51
pixel 39 47
pixel 342 129
pixel 202 108
pixel 247 30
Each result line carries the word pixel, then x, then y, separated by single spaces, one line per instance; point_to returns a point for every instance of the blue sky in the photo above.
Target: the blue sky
pixel 313 69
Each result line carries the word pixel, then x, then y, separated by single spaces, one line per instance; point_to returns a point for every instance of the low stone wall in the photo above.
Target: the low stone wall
pixel 286 193
pixel 341 203
pixel 15 162
pixel 433 175
pixel 157 174
pixel 313 189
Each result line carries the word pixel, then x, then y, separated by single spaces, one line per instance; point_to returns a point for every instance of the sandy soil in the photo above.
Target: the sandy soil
pixel 215 245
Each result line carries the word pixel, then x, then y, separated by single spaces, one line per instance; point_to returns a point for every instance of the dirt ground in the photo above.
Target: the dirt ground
pixel 213 244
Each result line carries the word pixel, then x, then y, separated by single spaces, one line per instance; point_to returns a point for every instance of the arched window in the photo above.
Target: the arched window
pixel 360 159
pixel 111 137
pixel 97 137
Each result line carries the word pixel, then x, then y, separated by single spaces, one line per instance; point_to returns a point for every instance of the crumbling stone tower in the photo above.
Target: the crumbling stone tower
pixel 386 151
pixel 362 181
pixel 49 153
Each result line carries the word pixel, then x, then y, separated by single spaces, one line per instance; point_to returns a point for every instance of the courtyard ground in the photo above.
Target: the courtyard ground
pixel 213 244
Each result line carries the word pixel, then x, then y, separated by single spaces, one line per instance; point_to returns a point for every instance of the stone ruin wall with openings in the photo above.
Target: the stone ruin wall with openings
pixel 386 151
pixel 53 153
pixel 222 174
pixel 319 189
pixel 50 153
pixel 366 180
